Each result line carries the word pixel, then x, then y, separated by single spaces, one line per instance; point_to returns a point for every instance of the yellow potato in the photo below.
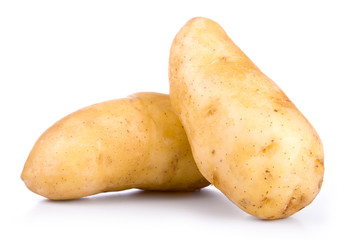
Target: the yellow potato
pixel 136 142
pixel 247 137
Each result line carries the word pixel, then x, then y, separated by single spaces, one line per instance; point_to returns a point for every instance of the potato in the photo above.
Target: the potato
pixel 136 142
pixel 247 137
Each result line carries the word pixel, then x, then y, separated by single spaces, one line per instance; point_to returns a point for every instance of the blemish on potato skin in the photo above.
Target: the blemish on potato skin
pixel 320 184
pixel 269 147
pixel 267 175
pixel 318 165
pixel 264 201
pixel 215 178
pixel 296 202
pixel 244 203
pixel 211 112
pixel 319 162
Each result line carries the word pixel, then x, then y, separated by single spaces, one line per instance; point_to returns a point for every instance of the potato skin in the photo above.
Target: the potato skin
pixel 135 142
pixel 247 138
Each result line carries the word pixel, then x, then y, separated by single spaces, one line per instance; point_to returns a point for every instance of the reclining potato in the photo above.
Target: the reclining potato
pixel 136 142
pixel 247 137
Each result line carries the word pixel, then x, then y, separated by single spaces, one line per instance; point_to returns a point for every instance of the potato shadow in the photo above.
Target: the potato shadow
pixel 209 202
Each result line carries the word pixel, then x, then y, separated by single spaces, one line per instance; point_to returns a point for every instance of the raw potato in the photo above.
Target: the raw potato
pixel 247 137
pixel 136 142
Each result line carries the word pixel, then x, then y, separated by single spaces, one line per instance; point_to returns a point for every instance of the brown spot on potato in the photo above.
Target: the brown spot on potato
pixel 296 202
pixel 319 165
pixel 320 183
pixel 244 203
pixel 267 174
pixel 287 206
pixel 215 179
pixel 213 151
pixel 211 111
pixel 264 201
pixel 284 101
pixel 319 162
pixel 303 198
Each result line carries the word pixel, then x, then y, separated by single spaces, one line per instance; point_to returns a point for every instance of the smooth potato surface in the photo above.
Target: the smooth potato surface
pixel 247 137
pixel 136 142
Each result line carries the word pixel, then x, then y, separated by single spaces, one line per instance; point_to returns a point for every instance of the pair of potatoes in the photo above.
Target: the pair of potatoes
pixel 247 138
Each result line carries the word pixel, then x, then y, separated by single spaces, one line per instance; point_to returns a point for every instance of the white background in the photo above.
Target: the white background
pixel 59 56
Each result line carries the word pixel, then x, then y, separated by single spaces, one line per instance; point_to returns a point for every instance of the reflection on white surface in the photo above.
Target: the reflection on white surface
pixel 207 203
pixel 140 204
pixel 206 212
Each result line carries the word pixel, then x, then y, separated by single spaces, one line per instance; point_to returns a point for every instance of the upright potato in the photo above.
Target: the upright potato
pixel 136 142
pixel 247 137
